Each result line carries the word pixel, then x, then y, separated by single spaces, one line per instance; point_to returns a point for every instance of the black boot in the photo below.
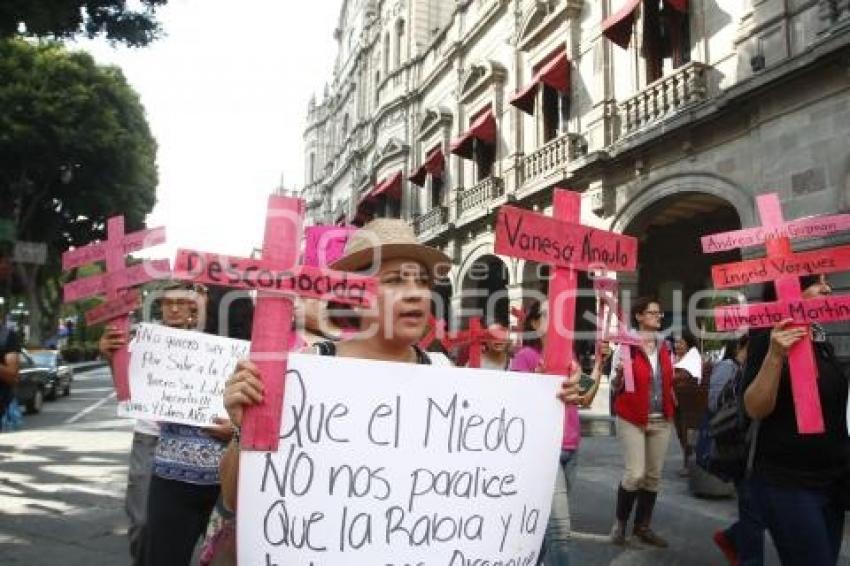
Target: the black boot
pixel 625 502
pixel 643 517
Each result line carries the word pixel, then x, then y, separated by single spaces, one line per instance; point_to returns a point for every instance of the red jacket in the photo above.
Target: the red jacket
pixel 634 407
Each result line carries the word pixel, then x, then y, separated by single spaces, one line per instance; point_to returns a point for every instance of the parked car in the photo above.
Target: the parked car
pixel 61 374
pixel 33 383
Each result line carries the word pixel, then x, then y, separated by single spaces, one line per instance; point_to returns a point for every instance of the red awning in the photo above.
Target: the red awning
pixel 554 73
pixel 391 187
pixel 618 27
pixel 483 130
pixel 419 176
pixel 434 165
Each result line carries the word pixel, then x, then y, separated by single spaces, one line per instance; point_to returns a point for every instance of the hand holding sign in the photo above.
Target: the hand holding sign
pixel 116 284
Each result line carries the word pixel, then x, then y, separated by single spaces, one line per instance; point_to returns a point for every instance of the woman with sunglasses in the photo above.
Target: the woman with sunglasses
pixel 644 418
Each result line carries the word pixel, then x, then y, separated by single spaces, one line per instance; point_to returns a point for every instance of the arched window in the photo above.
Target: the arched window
pixel 399 42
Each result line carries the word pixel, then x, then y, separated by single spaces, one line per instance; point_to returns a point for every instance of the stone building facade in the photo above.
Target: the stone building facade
pixel 668 116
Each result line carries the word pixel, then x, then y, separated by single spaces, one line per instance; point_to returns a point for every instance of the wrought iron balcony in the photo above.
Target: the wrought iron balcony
pixel 665 97
pixel 479 197
pixel 431 222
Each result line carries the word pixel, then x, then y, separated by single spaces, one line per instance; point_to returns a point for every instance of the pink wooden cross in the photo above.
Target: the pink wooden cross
pixel 784 267
pixel 117 284
pixel 607 290
pixel 474 338
pixel 568 246
pixel 277 277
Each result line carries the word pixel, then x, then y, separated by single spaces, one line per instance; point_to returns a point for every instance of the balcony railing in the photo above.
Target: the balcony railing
pixel 552 157
pixel 431 221
pixel 479 196
pixel 666 96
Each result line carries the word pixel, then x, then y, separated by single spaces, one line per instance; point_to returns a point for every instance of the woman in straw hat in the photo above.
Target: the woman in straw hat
pixel 389 331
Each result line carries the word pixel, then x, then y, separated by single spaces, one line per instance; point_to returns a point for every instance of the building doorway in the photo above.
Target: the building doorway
pixel 671 263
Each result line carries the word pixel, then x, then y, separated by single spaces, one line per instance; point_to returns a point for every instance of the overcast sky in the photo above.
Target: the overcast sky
pixel 226 94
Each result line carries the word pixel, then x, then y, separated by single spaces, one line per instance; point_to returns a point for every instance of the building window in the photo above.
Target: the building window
pixel 485 156
pixel 387 54
pixel 436 191
pixel 311 168
pixel 399 42
pixel 666 39
pixel 556 112
pixel 377 89
pixel 344 129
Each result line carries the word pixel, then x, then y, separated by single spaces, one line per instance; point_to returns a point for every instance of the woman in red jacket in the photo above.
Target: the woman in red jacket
pixel 644 419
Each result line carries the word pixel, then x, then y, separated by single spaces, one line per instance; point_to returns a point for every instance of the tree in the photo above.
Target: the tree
pixel 75 148
pixel 62 19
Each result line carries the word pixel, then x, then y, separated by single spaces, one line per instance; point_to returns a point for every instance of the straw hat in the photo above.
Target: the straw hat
pixel 389 238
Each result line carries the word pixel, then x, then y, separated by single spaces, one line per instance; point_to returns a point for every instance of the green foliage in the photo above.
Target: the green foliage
pixel 75 148
pixel 62 19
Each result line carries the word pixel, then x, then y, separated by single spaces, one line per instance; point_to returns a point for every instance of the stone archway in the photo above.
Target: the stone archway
pixel 671 264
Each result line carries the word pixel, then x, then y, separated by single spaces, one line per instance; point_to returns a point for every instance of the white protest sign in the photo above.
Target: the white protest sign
pixel 388 464
pixel 178 376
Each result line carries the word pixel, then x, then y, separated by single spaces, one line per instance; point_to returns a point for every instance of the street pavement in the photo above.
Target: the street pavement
pixel 62 481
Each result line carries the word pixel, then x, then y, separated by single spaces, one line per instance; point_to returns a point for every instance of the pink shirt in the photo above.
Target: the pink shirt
pixel 528 360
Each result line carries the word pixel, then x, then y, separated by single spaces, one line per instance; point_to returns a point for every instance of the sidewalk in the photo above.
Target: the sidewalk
pixel 85 366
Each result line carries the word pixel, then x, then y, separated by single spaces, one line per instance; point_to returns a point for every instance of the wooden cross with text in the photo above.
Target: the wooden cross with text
pixel 474 337
pixel 567 246
pixel 784 268
pixel 116 284
pixel 277 277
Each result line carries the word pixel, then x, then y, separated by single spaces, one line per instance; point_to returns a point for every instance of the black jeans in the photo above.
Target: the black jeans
pixel 177 517
pixel 806 524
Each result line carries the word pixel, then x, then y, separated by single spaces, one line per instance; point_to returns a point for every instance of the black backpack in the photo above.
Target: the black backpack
pixel 730 433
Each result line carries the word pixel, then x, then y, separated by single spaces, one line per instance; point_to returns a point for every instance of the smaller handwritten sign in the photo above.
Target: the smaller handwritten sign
pixel 526 234
pixel 812 227
pixel 762 270
pixel 128 244
pixel 99 284
pixel 112 309
pixel 763 315
pixel 252 274
pixel 179 375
